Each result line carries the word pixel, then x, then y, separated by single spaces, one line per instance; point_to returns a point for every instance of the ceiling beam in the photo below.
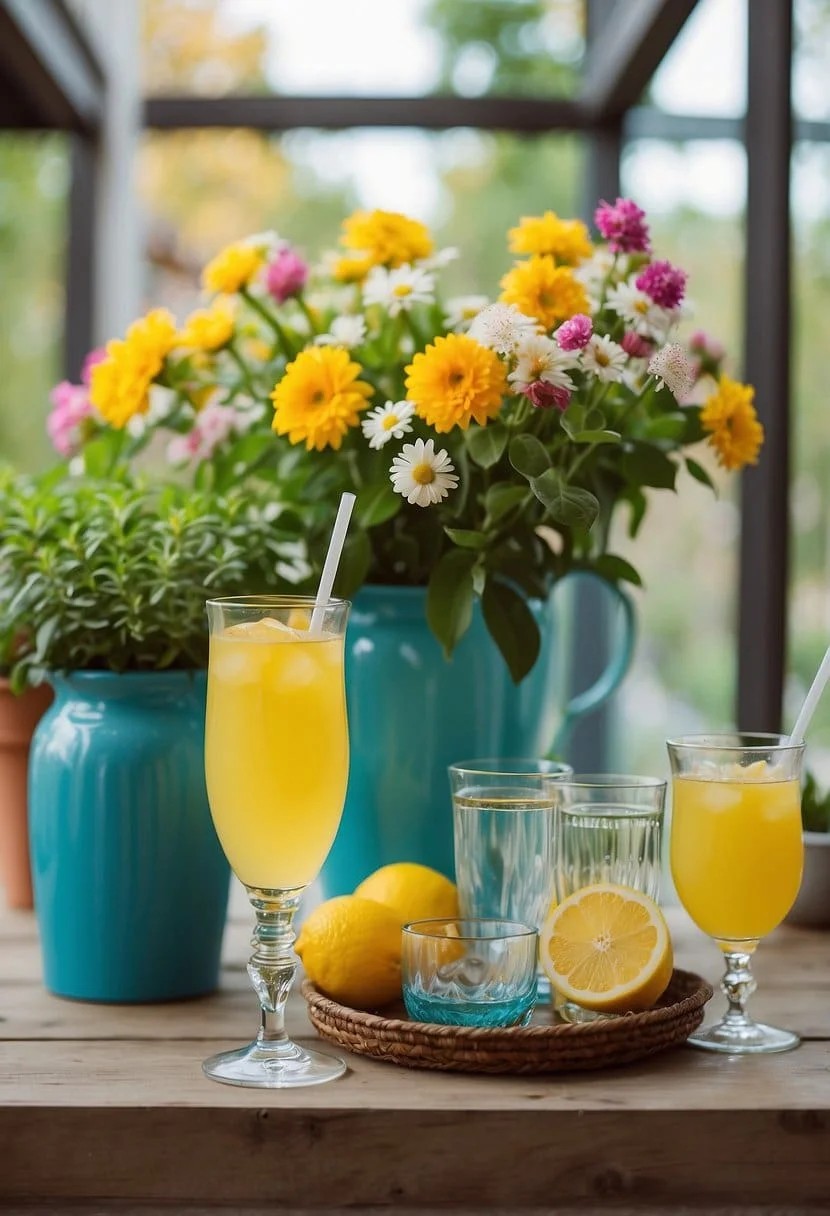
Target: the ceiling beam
pixel 626 52
pixel 434 113
pixel 51 76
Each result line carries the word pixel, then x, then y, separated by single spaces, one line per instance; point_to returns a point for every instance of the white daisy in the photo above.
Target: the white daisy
pixel 344 331
pixel 397 290
pixel 605 358
pixel 462 310
pixel 269 241
pixel 538 358
pixel 636 308
pixel 422 475
pixel 501 327
pixel 674 369
pixel 390 421
pixel 593 272
pixel 439 259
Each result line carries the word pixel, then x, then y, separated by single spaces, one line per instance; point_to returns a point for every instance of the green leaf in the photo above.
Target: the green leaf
pixel 699 473
pixel 450 597
pixel 570 505
pixel 645 465
pixel 639 503
pixel 466 539
pixel 529 456
pixel 666 426
pixel 617 569
pixel 486 444
pixel 597 437
pixel 101 454
pixel 354 564
pixel 376 504
pixel 511 626
pixel 501 498
pixel 573 419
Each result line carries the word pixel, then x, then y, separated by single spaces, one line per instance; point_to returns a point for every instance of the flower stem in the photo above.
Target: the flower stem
pixel 282 337
pixel 243 368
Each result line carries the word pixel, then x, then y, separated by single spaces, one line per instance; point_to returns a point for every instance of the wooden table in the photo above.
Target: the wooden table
pixel 105 1109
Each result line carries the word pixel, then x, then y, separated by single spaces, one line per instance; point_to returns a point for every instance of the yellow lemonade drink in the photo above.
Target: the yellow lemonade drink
pixel 736 851
pixel 276 750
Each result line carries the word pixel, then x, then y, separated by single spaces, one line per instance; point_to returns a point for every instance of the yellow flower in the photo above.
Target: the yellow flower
pixel 351 270
pixel 208 328
pixel 386 238
pixel 319 397
pixel 565 240
pixel 732 422
pixel 455 381
pixel 541 289
pixel 258 348
pixel 232 268
pixel 120 384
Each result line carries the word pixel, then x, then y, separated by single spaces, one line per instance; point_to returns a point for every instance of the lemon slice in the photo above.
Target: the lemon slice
pixel 608 949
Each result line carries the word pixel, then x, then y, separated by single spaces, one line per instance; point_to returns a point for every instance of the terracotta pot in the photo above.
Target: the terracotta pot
pixel 18 718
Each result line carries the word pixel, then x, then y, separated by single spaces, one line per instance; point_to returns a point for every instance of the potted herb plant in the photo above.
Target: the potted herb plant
pixel 111 579
pixel 20 712
pixel 490 443
pixel 812 905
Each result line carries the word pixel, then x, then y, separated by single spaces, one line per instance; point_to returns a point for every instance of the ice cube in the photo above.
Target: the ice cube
pixel 267 629
pixel 298 670
pixel 233 665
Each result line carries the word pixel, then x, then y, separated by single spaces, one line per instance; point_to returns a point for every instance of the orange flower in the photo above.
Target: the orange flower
pixel 455 381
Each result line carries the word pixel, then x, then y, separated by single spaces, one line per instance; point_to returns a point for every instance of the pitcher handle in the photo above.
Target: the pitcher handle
pixel 609 679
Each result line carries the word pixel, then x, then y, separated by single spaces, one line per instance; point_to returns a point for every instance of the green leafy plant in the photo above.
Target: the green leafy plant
pixel 815 806
pixel 115 575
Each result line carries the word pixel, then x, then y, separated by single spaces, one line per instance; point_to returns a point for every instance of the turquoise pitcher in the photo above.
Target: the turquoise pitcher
pixel 131 885
pixel 412 713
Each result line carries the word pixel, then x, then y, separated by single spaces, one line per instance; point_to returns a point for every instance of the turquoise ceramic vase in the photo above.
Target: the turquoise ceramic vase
pixel 131 885
pixel 412 713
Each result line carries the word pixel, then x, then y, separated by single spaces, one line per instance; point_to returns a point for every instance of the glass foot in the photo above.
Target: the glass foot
pixel 747 1038
pixel 273 1067
pixel 570 1012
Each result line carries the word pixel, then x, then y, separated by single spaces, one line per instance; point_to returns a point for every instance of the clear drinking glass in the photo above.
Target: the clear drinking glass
pixel 276 763
pixel 504 828
pixel 609 829
pixel 736 860
pixel 469 972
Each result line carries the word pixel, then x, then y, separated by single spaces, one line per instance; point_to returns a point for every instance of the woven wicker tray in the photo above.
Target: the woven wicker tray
pixel 544 1046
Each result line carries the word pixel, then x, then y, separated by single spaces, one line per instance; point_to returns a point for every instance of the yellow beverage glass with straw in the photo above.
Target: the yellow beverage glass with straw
pixel 276 766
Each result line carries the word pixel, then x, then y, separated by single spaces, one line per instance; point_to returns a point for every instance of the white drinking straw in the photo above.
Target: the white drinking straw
pixel 338 537
pixel 812 699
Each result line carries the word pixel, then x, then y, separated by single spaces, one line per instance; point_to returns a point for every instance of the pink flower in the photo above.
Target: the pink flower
pixel 286 274
pixel 544 395
pixel 214 424
pixel 623 226
pixel 664 283
pixel 704 344
pixel 575 334
pixel 636 345
pixel 95 356
pixel 70 406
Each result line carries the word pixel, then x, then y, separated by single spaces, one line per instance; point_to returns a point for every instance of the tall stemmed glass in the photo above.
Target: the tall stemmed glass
pixel 736 859
pixel 276 762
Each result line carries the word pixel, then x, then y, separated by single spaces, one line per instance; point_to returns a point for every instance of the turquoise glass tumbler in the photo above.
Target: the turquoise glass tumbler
pixel 469 972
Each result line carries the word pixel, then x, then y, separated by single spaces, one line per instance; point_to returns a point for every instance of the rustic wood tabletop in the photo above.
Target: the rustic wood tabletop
pixel 104 1108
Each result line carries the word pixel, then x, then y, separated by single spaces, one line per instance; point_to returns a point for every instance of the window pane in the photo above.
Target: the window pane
pixel 809 623
pixel 33 185
pixel 402 47
pixel 685 667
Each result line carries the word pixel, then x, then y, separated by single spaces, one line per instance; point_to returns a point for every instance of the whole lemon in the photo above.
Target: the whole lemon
pixel 351 951
pixel 413 891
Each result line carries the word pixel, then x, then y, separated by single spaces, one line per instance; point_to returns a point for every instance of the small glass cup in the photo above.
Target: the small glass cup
pixel 504 821
pixel 469 972
pixel 609 829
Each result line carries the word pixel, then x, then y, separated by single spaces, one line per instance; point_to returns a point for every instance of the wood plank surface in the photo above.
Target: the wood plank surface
pixel 105 1108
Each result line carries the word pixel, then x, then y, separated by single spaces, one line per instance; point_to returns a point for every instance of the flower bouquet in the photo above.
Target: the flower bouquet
pixel 489 442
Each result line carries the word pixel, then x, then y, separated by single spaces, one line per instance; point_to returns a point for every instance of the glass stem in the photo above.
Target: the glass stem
pixel 273 963
pixel 737 985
